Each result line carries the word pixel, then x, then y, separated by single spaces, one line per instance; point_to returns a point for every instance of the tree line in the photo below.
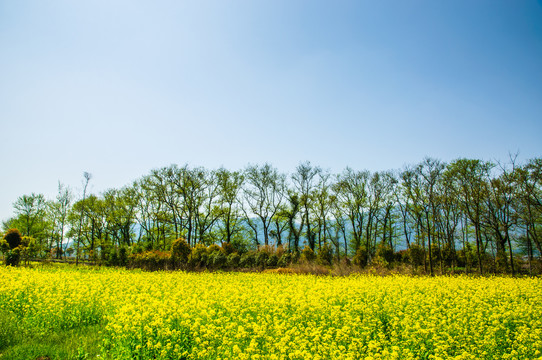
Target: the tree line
pixel 477 215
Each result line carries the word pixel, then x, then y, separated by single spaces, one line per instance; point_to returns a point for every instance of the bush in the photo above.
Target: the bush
pixel 218 259
pixel 233 260
pixel 150 260
pixel 284 260
pixel 361 257
pixel 198 256
pixel 386 253
pixel 307 255
pixel 180 251
pixel 248 260
pixel 123 256
pixel 272 260
pixel 261 258
pixel 228 248
pixel 379 262
pixel 213 248
pixel 14 238
pixel 112 258
pixel 325 255
pixel 415 255
pixel 13 257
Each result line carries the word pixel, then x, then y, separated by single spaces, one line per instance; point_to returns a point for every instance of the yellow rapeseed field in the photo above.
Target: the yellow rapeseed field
pixel 177 315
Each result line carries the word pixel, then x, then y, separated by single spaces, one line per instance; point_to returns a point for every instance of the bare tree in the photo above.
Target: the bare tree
pixel 87 176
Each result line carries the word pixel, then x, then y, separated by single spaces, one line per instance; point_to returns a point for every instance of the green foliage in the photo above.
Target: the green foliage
pixel 218 259
pixel 325 255
pixel 13 257
pixel 198 256
pixel 4 245
pixel 361 257
pixel 233 260
pixel 386 253
pixel 13 238
pixel 228 248
pixel 379 262
pixel 180 251
pixel 272 260
pixel 248 259
pixel 213 247
pixel 284 260
pixel 123 256
pixel 307 255
pixel 415 255
pixel 261 258
pixel 8 329
pixel 150 260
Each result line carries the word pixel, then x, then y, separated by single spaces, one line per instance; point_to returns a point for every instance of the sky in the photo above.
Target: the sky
pixel 118 88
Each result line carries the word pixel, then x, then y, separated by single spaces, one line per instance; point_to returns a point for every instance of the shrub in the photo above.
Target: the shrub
pixel 228 248
pixel 325 255
pixel 361 258
pixel 198 256
pixel 415 255
pixel 307 255
pixel 284 260
pixel 379 262
pixel 272 260
pixel 150 260
pixel 386 253
pixel 248 260
pixel 180 251
pixel 112 258
pixel 233 260
pixel 13 238
pixel 123 256
pixel 13 257
pixel 261 258
pixel 218 259
pixel 213 247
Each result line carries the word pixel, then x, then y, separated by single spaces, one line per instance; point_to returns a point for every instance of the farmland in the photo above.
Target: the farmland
pixel 119 314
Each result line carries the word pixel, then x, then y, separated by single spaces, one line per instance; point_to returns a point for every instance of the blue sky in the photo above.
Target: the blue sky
pixel 118 88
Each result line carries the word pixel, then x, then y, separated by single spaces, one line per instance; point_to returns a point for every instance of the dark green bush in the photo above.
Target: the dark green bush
pixel 284 260
pixel 386 253
pixel 13 257
pixel 261 258
pixel 325 255
pixel 180 251
pixel 150 260
pixel 307 255
pixel 361 257
pixel 123 256
pixel 219 259
pixel 213 247
pixel 228 248
pixel 415 255
pixel 248 260
pixel 233 260
pixel 198 257
pixel 272 260
pixel 13 238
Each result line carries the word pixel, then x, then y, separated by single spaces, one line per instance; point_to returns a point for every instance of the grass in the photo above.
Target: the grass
pixel 76 343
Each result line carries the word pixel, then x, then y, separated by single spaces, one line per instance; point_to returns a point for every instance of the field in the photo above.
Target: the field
pixel 62 312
